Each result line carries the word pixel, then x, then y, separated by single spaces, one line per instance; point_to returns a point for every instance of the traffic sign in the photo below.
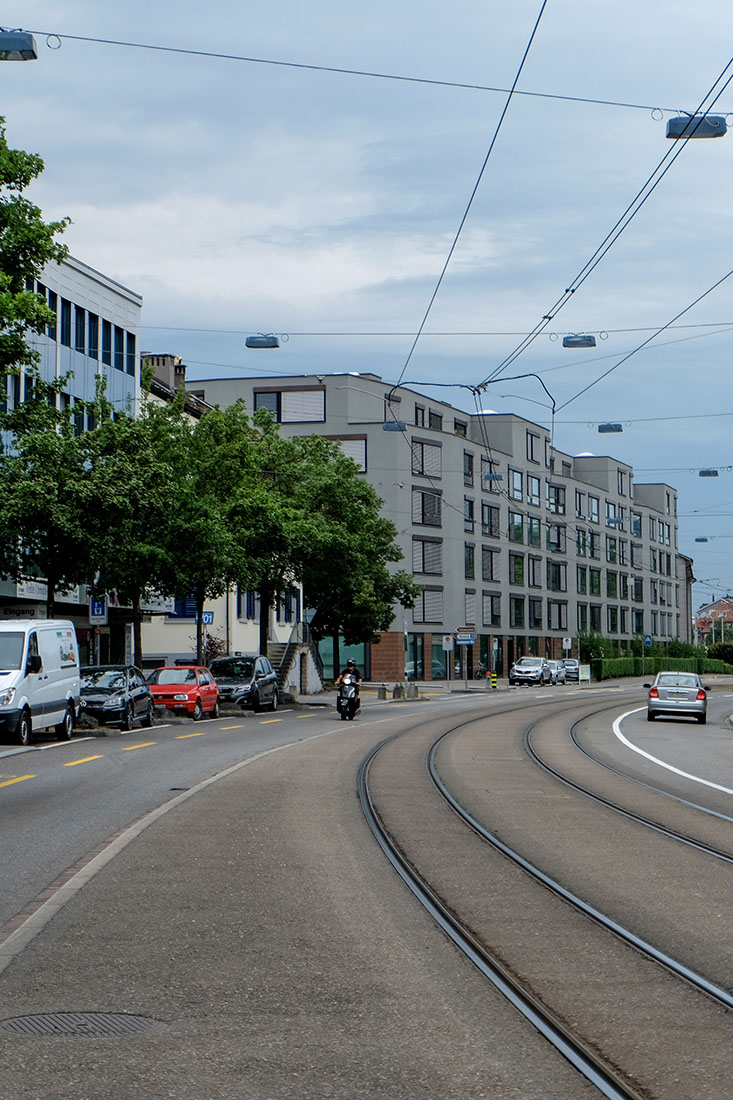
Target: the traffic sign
pixel 207 618
pixel 647 639
pixel 97 611
pixel 465 637
pixel 447 643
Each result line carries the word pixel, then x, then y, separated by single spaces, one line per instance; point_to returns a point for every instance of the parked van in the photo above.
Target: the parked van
pixel 39 677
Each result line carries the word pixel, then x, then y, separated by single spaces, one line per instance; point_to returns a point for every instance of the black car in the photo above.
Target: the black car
pixel 116 695
pixel 248 680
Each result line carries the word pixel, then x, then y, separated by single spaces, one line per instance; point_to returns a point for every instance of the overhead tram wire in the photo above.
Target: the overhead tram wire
pixel 340 71
pixel 613 235
pixel 473 192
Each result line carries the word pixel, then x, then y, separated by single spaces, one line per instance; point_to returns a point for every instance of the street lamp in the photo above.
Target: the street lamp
pixel 696 126
pixel 17 45
pixel 268 340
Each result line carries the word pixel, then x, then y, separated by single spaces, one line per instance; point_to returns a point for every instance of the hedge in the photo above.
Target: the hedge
pixel 610 668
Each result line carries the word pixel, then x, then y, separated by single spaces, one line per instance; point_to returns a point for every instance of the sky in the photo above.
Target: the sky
pixel 420 228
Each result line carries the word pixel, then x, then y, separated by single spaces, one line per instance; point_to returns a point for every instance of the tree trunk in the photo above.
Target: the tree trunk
pixel 200 598
pixel 51 585
pixel 137 632
pixel 266 598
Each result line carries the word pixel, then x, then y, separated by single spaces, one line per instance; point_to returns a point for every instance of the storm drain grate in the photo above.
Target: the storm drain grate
pixel 92 1024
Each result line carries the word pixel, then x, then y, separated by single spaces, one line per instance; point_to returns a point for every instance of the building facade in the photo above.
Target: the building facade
pixel 511 539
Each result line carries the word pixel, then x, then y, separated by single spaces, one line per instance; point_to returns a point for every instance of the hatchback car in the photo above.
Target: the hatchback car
pixel 677 693
pixel 249 680
pixel 557 668
pixel 116 694
pixel 572 669
pixel 530 670
pixel 185 689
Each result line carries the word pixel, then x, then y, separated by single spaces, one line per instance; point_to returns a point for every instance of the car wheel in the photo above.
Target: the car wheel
pixel 65 729
pixel 149 717
pixel 128 720
pixel 256 704
pixel 275 702
pixel 25 729
pixel 702 719
pixel 650 716
pixel 215 711
pixel 198 711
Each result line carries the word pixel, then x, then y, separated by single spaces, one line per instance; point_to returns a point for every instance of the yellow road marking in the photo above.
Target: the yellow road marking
pixel 266 720
pixel 18 779
pixel 183 736
pixel 84 760
pixel 143 745
pixel 301 716
pixel 239 727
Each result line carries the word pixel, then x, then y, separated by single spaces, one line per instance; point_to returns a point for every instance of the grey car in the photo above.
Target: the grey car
pixel 557 668
pixel 248 680
pixel 530 670
pixel 677 694
pixel 572 669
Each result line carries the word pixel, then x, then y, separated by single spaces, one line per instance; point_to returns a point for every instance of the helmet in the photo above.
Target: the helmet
pixel 351 662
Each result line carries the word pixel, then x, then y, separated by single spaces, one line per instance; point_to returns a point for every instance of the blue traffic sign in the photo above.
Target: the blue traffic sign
pixel 207 618
pixel 647 639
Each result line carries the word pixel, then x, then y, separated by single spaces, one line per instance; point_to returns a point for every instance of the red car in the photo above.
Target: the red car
pixel 186 689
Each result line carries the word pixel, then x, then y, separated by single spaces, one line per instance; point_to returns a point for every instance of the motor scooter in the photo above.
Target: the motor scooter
pixel 347 700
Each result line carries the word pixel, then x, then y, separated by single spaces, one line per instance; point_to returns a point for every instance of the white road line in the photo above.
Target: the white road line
pixel 656 760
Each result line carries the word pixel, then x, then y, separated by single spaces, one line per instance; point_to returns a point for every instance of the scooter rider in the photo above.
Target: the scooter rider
pixel 350 670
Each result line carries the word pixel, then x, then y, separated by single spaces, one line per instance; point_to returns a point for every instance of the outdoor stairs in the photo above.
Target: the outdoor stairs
pixel 276 651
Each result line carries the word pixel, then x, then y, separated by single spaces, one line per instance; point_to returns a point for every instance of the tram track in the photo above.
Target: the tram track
pixel 452 905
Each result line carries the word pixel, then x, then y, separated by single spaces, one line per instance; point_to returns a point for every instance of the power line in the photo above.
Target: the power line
pixel 370 74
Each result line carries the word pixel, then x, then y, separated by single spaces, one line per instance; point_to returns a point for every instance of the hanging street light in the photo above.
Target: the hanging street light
pixel 17 45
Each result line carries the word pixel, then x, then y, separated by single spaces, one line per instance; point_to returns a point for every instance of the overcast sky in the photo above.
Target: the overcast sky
pixel 240 197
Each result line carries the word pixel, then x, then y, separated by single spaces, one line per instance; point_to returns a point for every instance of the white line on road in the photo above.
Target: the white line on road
pixel 656 760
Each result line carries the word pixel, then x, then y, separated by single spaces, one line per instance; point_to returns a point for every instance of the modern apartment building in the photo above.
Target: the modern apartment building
pixel 523 545
pixel 95 334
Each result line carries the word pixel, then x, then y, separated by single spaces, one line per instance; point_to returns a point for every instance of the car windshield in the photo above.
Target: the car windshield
pixel 173 676
pixel 232 668
pixel 677 679
pixel 570 662
pixel 11 649
pixel 529 662
pixel 103 678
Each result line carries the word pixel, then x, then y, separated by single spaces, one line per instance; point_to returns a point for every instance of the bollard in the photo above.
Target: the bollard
pixel 412 691
pixel 381 692
pixel 493 681
pixel 398 692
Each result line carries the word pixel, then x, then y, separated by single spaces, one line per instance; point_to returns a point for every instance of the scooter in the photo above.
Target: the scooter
pixel 347 700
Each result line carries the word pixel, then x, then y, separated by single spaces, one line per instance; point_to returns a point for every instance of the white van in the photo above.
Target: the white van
pixel 39 677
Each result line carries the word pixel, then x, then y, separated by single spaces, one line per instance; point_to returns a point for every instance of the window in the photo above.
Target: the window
pixel 581 542
pixel 419 416
pixel 119 359
pixel 435 421
pixel 427 556
pixel 467 468
pixel 579 504
pixel 66 323
pixel 555 499
pixel 556 537
pixel 594 576
pixel 489 564
pixel 426 508
pixel 293 406
pixel 582 617
pixel 468 517
pixel 652 529
pixel 623 586
pixel 533 447
pixel 636 524
pixel 516 568
pixel 638 590
pixel 621 481
pixel 53 304
pixel 594 544
pixel 595 617
pixel 534 537
pixel 653 561
pixel 107 345
pixel 426 459
pixel 624 620
pixel 489 521
pixel 623 552
pixel 93 348
pixel 533 490
pixel 611 548
pixel 469 561
pixel 516 611
pixel 582 579
pixel 557 615
pixel 534 572
pixel 460 427
pixel 80 324
pixel 638 622
pixel 611 585
pixel 535 613
pixel 469 606
pixel 490 476
pixel 612 619
pixel 184 608
pixel 491 609
pixel 557 576
pixel 130 353
pixel 611 514
pixel 429 606
pixel 355 448
pixel 653 592
pixel 516 527
pixel 593 506
pixel 515 485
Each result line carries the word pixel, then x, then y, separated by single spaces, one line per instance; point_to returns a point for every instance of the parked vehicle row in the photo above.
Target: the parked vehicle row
pixel 539 670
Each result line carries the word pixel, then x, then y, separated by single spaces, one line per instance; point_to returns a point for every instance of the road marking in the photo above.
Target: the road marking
pixel 84 760
pixel 183 736
pixel 656 760
pixel 239 727
pixel 302 716
pixel 265 721
pixel 143 745
pixel 18 779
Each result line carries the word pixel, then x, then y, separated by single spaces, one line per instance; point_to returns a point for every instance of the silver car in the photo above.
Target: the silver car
pixel 677 693
pixel 557 668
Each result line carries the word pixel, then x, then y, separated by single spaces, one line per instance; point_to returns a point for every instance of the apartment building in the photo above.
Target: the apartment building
pixel 523 545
